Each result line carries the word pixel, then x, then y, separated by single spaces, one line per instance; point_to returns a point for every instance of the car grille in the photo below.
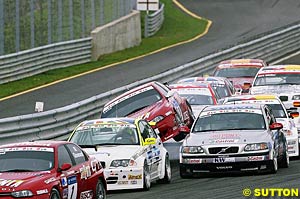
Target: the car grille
pixel 223 150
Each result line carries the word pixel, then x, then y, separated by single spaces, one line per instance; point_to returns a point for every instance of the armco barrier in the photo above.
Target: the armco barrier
pixel 154 21
pixel 35 61
pixel 56 124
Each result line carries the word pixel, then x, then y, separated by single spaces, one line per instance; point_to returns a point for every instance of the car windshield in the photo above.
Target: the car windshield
pixel 229 121
pixel 195 99
pixel 237 72
pixel 132 104
pixel 24 159
pixel 277 79
pixel 106 135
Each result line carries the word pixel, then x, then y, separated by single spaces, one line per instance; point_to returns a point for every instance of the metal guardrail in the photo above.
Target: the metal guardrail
pixel 154 21
pixel 58 123
pixel 35 61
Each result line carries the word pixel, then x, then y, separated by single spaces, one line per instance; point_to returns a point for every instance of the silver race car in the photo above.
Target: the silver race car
pixel 238 137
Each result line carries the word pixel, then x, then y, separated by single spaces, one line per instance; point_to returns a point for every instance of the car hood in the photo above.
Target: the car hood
pixel 238 82
pixel 226 137
pixel 104 153
pixel 147 112
pixel 14 181
pixel 276 89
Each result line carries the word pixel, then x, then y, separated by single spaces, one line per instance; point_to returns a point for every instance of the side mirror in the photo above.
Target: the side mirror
pixel 64 167
pixel 184 129
pixel 150 141
pixel 276 126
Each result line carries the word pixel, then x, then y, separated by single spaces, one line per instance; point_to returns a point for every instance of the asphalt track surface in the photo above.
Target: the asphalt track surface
pixel 216 186
pixel 232 22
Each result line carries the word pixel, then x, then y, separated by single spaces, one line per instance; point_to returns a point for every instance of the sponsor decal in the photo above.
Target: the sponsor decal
pixel 43 191
pixel 133 182
pixel 78 155
pixel 224 167
pixel 85 172
pixel 86 194
pixel 225 136
pixel 50 180
pixel 27 148
pixel 95 165
pixel 122 182
pixel 10 183
pixel 134 177
pixel 255 158
pixel 72 180
pixel 222 141
pixel 222 160
pixel 72 187
pixel 65 193
pixel 194 161
pixel 64 181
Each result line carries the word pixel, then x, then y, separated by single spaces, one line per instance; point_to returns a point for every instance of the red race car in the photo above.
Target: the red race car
pixel 240 72
pixel 157 103
pixel 49 169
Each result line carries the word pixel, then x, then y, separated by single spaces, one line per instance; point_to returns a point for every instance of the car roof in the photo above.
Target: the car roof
pixel 189 85
pixel 251 97
pixel 203 79
pixel 280 69
pixel 39 143
pixel 236 63
pixel 119 120
pixel 232 106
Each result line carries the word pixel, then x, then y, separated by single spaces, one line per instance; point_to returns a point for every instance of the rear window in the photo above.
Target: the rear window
pixel 237 72
pixel 132 104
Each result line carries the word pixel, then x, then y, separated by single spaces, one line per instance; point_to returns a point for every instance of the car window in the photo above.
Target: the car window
pixel 229 121
pixel 64 156
pixel 78 155
pixel 149 129
pixel 132 103
pixel 26 158
pixel 146 130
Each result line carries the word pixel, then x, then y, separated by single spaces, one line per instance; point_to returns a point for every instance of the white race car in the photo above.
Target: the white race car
pixel 130 151
pixel 283 81
pixel 280 113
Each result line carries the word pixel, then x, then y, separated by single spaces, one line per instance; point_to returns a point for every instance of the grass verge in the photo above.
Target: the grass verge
pixel 178 27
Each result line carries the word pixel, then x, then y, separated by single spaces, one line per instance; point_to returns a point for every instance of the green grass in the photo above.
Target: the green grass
pixel 177 27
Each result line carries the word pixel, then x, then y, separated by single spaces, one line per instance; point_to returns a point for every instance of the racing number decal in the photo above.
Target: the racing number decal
pixel 72 187
pixel 177 108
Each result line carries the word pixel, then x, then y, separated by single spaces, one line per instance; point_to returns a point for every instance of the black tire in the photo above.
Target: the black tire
pixel 168 174
pixel 147 178
pixel 285 160
pixel 179 137
pixel 54 194
pixel 273 166
pixel 100 190
pixel 183 173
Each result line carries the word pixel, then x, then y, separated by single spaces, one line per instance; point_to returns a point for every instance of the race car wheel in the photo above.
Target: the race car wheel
pixel 274 165
pixel 183 173
pixel 180 136
pixel 168 174
pixel 54 194
pixel 100 190
pixel 147 178
pixel 285 160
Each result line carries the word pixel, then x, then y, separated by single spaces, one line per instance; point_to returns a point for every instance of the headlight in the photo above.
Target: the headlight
pixel 192 149
pixel 123 163
pixel 21 194
pixel 256 147
pixel 157 119
pixel 296 97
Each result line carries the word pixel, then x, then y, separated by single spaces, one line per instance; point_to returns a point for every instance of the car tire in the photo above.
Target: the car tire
pixel 285 160
pixel 100 190
pixel 168 174
pixel 274 165
pixel 183 173
pixel 54 194
pixel 147 177
pixel 180 136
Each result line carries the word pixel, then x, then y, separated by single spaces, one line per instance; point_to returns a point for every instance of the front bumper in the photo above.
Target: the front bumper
pixel 124 178
pixel 220 164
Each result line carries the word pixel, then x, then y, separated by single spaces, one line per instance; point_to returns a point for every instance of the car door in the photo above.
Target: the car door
pixel 153 152
pixel 70 179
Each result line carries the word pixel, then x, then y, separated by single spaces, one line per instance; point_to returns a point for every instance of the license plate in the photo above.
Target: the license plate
pixel 222 160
